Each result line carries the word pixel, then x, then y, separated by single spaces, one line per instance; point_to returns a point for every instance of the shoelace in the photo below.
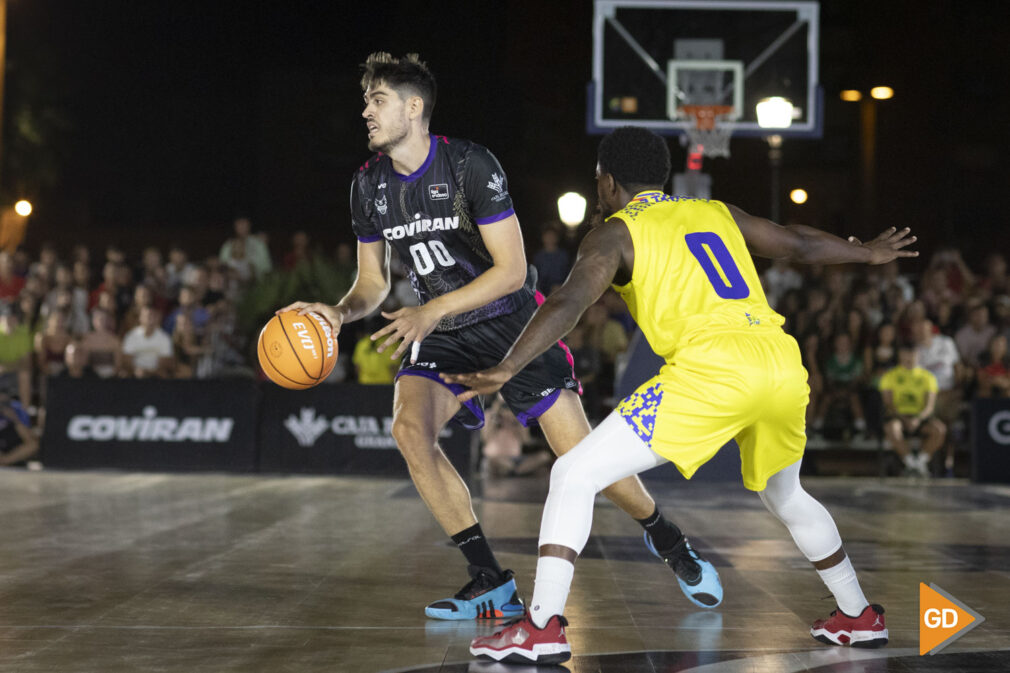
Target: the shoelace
pixel 483 579
pixel 685 562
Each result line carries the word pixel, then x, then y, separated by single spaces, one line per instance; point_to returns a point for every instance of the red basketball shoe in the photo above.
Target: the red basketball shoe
pixel 521 642
pixel 866 630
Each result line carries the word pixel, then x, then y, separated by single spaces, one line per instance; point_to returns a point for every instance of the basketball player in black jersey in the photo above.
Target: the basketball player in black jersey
pixel 443 205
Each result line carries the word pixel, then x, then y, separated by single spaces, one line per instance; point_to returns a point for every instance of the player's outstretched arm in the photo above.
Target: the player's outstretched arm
pixel 800 243
pixel 599 258
pixel 366 294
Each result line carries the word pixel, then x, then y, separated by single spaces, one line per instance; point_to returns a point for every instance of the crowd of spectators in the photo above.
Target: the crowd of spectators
pixel 69 313
pixel 851 324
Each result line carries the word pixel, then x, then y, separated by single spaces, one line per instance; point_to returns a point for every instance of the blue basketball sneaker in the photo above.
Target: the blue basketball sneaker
pixel 698 578
pixel 488 595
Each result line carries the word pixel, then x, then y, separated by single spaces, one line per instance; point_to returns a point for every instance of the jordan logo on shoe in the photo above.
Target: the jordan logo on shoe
pixel 877 622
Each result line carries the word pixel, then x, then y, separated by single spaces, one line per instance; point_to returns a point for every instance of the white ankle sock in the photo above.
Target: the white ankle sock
pixel 841 580
pixel 550 592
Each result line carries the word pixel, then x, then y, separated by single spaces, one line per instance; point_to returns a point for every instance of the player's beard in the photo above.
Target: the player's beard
pixel 396 135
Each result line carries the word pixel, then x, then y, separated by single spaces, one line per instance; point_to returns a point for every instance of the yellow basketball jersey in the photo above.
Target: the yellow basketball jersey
pixel 693 274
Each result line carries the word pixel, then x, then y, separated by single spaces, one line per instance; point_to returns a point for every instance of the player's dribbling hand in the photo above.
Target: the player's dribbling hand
pixel 479 383
pixel 329 313
pixel 410 324
pixel 888 245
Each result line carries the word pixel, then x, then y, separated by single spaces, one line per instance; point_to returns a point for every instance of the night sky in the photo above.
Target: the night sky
pixel 139 121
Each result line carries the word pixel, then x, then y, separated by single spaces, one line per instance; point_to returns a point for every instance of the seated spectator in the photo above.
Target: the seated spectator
pixel 503 437
pixel 551 261
pixel 81 253
pixel 10 283
pixel 910 393
pixel 347 265
pixel 66 297
pixel 187 346
pixel 147 349
pixel 102 347
pixel 17 441
pixel 198 315
pixel 603 333
pixel 994 369
pixel 28 308
pixel 403 290
pixel 974 337
pixel 76 359
pixel 178 271
pixel 843 370
pixel 299 251
pixel 107 302
pixel 82 279
pixel 858 330
pixel 16 343
pixel 373 367
pixel 779 279
pixel 254 248
pixel 609 339
pixel 220 292
pixel 939 355
pixel 240 262
pixel 50 345
pixel 878 357
pixel 108 284
pixel 143 297
pixel 996 281
pixel 618 311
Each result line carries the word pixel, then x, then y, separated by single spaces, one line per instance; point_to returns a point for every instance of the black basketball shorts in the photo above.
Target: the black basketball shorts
pixel 529 394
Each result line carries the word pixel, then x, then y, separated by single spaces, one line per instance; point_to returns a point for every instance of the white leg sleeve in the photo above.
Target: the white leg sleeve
pixel 811 525
pixel 609 453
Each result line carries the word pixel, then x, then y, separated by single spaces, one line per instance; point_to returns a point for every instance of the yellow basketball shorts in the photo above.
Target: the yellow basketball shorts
pixel 749 386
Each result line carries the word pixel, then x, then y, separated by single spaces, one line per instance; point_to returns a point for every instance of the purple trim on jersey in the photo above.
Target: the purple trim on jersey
pixel 370 239
pixel 455 388
pixel 540 299
pixel 491 219
pixel 531 415
pixel 424 167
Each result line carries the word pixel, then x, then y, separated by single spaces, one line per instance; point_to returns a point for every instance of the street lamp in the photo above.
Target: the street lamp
pixel 23 208
pixel 572 209
pixel 868 140
pixel 775 113
pixel 798 196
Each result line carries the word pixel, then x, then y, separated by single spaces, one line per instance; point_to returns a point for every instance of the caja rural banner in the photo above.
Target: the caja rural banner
pixel 340 429
pixel 151 424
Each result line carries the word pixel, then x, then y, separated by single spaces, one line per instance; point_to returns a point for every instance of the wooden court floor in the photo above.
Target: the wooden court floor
pixel 188 573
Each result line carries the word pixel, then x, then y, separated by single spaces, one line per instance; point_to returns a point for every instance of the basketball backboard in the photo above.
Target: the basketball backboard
pixel 653 57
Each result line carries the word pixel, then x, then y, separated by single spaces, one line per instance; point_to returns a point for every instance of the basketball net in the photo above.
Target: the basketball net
pixel 706 138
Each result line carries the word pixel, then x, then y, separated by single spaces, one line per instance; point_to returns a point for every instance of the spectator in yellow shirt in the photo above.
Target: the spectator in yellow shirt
pixel 909 393
pixel 373 367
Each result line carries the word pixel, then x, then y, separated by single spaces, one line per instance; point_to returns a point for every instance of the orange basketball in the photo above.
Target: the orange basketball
pixel 297 351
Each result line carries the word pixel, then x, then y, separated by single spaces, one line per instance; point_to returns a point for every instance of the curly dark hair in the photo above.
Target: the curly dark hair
pixel 636 157
pixel 408 76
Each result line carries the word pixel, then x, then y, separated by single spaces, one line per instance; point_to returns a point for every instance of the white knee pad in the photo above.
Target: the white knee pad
pixel 610 453
pixel 809 523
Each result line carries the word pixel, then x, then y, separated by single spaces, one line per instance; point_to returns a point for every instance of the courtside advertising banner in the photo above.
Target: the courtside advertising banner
pixel 990 440
pixel 341 429
pixel 151 424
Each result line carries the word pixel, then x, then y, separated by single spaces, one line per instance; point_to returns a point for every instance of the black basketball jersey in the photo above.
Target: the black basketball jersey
pixel 431 218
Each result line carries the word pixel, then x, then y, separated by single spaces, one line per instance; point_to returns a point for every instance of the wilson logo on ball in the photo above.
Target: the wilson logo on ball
pixel 296 351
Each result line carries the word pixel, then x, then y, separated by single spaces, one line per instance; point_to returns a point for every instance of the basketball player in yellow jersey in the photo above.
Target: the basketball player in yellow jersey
pixel 685 270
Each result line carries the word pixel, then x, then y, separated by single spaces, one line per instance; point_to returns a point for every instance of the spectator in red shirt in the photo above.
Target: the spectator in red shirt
pixel 10 284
